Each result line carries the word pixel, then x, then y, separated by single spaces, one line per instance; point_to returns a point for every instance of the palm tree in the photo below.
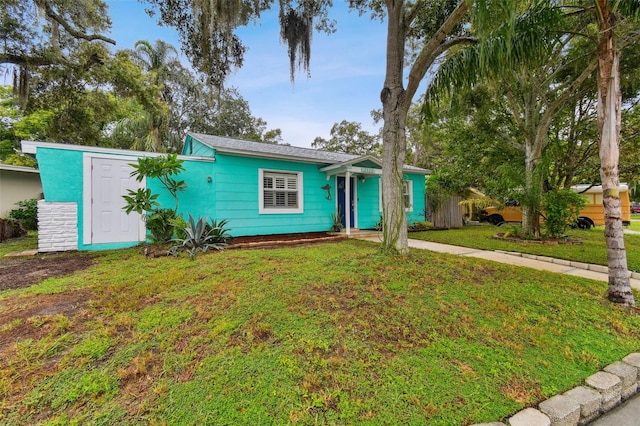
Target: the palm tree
pixel 142 128
pixel 610 17
pixel 527 38
pixel 158 59
pixel 149 128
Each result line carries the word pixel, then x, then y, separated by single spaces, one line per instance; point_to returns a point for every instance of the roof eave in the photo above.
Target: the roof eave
pixel 266 155
pixel 14 168
pixel 31 147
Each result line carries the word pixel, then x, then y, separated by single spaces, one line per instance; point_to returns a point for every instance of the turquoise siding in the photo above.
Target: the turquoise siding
pixel 227 188
pixel 61 175
pixel 368 202
pixel 194 148
pixel 63 179
pixel 61 172
pixel 198 198
pixel 417 215
pixel 237 197
pixel 369 209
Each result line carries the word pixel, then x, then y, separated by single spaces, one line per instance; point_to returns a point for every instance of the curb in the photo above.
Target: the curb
pixel 602 392
pixel 573 264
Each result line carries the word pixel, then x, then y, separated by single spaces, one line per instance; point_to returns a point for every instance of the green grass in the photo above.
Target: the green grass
pixel 635 222
pixel 329 334
pixel 14 245
pixel 592 250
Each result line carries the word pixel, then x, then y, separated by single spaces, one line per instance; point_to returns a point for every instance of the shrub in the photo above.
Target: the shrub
pixel 160 224
pixel 201 236
pixel 562 208
pixel 26 214
pixel 419 226
pixel 179 224
pixel 515 231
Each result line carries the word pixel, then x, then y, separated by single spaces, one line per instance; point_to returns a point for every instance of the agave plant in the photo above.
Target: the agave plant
pixel 200 236
pixel 219 233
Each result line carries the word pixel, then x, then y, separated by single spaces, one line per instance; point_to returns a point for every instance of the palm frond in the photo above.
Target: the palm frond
pixel 629 9
pixel 525 41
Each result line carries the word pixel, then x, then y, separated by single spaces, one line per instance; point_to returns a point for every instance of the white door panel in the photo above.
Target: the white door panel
pixel 110 180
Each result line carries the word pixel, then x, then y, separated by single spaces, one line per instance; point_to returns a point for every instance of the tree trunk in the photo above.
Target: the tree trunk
pixel 531 126
pixel 609 119
pixel 395 110
pixel 533 185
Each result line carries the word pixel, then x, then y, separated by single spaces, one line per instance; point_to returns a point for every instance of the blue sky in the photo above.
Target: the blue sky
pixel 347 70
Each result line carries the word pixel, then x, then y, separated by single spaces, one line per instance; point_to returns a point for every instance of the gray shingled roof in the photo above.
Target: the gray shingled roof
pixel 239 146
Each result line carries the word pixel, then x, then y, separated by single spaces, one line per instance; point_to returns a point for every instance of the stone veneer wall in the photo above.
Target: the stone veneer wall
pixel 57 226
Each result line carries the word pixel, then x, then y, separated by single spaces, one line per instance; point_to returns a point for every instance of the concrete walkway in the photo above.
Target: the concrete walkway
pixel 627 414
pixel 577 269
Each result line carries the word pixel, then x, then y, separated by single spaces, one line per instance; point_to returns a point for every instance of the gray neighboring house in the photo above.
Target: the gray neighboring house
pixel 17 183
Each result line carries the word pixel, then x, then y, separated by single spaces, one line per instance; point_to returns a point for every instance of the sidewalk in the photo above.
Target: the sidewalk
pixel 577 269
pixel 627 414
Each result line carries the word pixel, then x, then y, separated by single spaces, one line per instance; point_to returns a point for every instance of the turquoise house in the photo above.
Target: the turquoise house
pixel 261 189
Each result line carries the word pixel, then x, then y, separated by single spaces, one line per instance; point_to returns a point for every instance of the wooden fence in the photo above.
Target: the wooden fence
pixel 449 215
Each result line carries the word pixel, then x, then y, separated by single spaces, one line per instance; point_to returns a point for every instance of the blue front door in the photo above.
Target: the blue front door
pixel 342 200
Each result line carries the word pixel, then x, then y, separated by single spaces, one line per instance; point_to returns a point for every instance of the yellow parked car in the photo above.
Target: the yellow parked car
pixel 592 213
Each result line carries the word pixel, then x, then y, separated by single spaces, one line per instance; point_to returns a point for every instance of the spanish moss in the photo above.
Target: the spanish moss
pixel 21 86
pixel 296 29
pixel 225 11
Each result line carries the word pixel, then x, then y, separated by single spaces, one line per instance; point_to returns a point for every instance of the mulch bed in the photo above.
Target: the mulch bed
pixel 269 241
pixel 546 240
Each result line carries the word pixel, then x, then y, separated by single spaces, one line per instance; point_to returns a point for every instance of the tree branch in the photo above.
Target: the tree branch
pixel 571 90
pixel 24 60
pixel 428 53
pixel 75 33
pixel 411 14
pixel 514 107
pixel 566 95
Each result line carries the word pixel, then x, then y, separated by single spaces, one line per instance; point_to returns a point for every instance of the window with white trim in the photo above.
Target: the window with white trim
pixel 280 192
pixel 407 193
pixel 407 187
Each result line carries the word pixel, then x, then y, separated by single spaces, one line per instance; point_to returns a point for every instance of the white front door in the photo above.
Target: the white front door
pixel 110 180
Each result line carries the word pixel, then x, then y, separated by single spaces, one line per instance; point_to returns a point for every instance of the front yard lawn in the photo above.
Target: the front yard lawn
pixel 592 250
pixel 324 334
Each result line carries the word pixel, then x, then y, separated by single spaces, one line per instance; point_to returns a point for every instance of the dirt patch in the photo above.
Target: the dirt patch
pixel 37 316
pixel 20 272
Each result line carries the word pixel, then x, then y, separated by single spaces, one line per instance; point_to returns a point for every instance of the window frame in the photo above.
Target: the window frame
pixel 406 183
pixel 280 210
